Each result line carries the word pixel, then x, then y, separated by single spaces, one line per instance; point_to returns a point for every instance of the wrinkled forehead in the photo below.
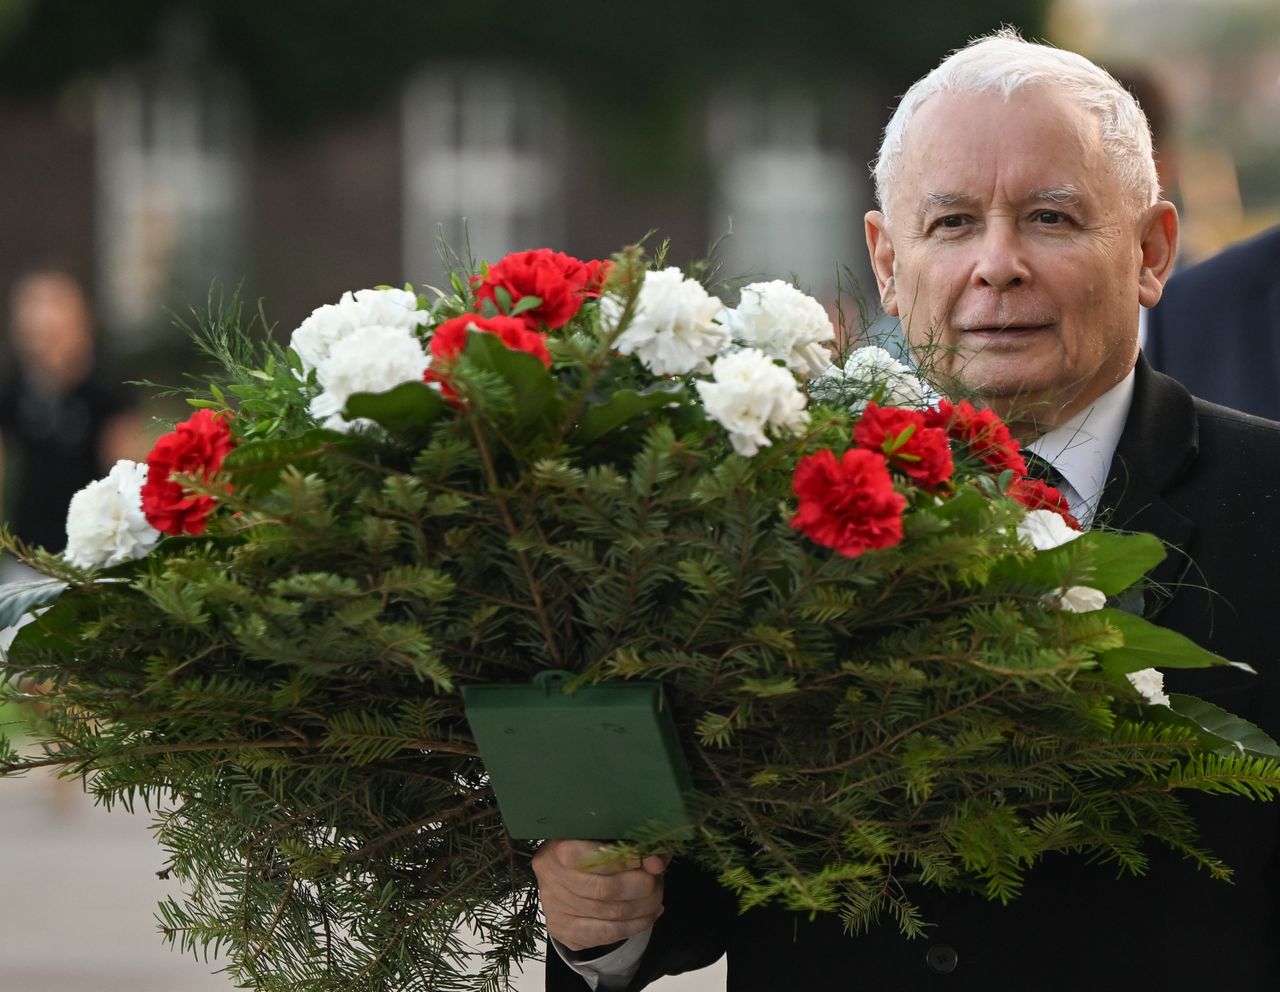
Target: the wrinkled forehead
pixel 965 146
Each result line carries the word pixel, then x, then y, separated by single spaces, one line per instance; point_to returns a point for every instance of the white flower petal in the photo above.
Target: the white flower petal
pixel 1045 530
pixel 748 393
pixel 1150 683
pixel 672 329
pixel 870 373
pixel 316 336
pixel 370 360
pixel 105 524
pixel 1080 599
pixel 784 323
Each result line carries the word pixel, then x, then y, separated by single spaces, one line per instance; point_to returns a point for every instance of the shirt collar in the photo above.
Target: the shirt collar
pixel 1081 448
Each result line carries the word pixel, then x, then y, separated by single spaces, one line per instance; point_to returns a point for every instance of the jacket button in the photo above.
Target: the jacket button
pixel 942 959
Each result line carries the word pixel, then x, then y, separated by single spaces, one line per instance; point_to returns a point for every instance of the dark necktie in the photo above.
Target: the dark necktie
pixel 1040 468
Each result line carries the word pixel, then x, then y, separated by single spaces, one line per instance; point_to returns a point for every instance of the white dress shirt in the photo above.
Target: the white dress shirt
pixel 1082 448
pixel 609 971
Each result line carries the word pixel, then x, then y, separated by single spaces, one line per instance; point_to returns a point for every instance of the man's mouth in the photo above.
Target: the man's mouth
pixel 1010 329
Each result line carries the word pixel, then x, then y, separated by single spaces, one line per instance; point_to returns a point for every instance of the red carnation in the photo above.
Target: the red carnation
pixel 196 447
pixel 922 453
pixel 1038 495
pixel 560 281
pixel 450 338
pixel 597 272
pixel 985 434
pixel 848 505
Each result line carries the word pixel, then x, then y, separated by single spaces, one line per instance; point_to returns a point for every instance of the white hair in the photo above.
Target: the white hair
pixel 1002 62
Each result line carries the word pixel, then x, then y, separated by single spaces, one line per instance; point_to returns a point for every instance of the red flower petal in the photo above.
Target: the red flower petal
pixel 983 432
pixel 1036 494
pixel 924 456
pixel 196 447
pixel 850 504
pixel 560 281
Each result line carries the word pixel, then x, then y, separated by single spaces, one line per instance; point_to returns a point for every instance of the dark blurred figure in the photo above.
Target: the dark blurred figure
pixel 63 423
pixel 1151 97
pixel 1217 328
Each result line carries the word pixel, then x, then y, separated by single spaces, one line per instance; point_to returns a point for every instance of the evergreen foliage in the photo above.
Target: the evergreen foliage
pixel 282 691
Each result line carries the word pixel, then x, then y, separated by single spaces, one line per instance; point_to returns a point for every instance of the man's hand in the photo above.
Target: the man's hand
pixel 603 904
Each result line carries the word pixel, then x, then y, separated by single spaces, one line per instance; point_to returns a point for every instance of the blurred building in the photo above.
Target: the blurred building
pixel 157 148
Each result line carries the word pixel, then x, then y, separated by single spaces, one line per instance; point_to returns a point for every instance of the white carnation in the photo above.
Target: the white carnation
pixel 1045 530
pixel 372 361
pixel 870 373
pixel 1150 684
pixel 105 525
pixel 673 329
pixel 749 393
pixel 1080 599
pixel 783 323
pixel 316 336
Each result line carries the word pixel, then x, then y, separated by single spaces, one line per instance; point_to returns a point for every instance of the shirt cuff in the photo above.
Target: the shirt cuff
pixel 613 970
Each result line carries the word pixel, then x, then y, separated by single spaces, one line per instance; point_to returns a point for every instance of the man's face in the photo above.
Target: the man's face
pixel 51 322
pixel 1014 256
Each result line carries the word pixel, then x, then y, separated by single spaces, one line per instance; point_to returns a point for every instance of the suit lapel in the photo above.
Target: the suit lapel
pixel 1159 442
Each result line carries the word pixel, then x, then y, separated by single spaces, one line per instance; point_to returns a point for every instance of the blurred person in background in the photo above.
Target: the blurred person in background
pixel 1146 89
pixel 1217 329
pixel 63 423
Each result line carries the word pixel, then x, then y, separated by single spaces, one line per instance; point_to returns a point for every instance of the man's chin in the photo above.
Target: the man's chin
pixel 1012 392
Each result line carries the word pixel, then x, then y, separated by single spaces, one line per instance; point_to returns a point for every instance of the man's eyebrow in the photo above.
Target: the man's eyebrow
pixel 1067 195
pixel 944 200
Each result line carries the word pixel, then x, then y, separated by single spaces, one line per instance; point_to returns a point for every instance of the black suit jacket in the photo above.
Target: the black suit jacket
pixel 1206 480
pixel 1217 328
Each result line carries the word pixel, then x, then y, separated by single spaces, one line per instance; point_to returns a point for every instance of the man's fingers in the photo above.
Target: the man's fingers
pixel 639 904
pixel 600 904
pixel 577 933
pixel 609 897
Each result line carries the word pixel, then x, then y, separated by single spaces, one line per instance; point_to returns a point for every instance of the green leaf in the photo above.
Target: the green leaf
pixel 766 688
pixel 624 404
pixel 1149 646
pixel 531 382
pixel 408 407
pixel 526 303
pixel 255 466
pixel 967 507
pixel 1223 726
pixel 1117 561
pixel 19 598
pixel 1106 561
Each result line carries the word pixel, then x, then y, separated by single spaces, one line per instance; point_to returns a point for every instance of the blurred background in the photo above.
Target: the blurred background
pixel 156 151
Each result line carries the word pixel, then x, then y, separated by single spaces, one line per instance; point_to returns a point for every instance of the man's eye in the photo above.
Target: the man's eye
pixel 952 220
pixel 1050 217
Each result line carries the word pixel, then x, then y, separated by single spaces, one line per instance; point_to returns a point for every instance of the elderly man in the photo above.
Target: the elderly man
pixel 1020 229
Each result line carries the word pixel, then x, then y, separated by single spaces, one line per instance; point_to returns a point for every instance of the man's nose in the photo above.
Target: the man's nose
pixel 1002 262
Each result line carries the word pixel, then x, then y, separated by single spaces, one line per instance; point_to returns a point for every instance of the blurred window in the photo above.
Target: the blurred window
pixel 786 186
pixel 170 165
pixel 482 167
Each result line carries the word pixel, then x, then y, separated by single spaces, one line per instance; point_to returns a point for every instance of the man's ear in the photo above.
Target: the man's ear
pixel 1159 231
pixel 882 256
